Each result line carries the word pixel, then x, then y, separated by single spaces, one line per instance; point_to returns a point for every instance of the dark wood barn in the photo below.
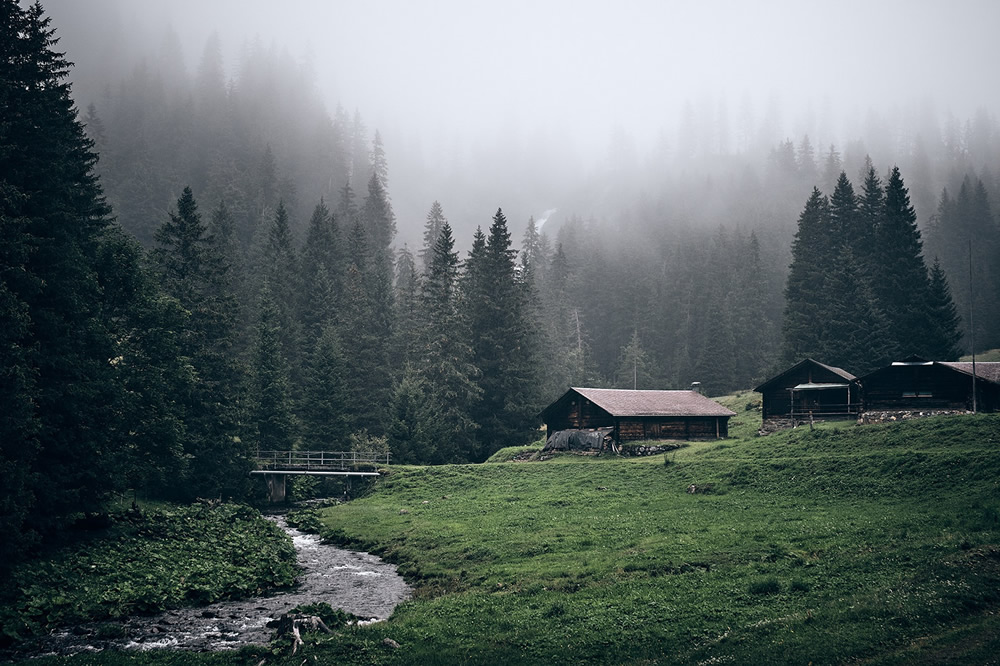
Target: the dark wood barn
pixel 810 387
pixel 637 415
pixel 919 385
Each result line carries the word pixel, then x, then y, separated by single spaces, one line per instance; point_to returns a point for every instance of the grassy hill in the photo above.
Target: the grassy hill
pixel 844 544
pixel 875 544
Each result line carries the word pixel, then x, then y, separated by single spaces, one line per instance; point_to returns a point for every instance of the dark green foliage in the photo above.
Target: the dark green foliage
pixel 900 279
pixel 271 412
pixel 321 272
pixel 193 270
pixel 71 295
pixel 945 334
pixel 148 562
pixel 323 412
pixel 805 298
pixel 965 226
pixel 858 293
pixel 364 340
pixel 504 344
pixel 633 367
pixel 444 372
pixel 407 309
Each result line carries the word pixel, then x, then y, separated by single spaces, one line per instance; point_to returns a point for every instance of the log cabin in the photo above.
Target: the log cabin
pixel 638 415
pixel 810 387
pixel 916 384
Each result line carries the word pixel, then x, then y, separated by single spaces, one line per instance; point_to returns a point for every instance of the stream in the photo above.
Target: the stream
pixel 359 583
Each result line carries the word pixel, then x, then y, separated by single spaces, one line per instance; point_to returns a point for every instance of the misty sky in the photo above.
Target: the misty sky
pixel 453 82
pixel 584 67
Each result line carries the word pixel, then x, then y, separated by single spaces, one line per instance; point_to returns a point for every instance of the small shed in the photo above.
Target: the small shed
pixel 810 387
pixel 916 384
pixel 638 415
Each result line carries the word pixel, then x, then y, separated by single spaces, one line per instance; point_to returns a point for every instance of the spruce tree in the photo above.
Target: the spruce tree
pixel 364 340
pixel 443 361
pixel 63 436
pixel 806 301
pixel 271 413
pixel 323 413
pixel 855 334
pixel 900 275
pixel 941 343
pixel 432 229
pixel 192 270
pixel 320 273
pixel 634 371
pixel 502 340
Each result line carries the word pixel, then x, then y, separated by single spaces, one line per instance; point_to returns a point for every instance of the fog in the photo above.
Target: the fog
pixel 544 92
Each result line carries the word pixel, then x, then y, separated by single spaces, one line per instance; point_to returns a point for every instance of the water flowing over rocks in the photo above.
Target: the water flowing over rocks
pixel 358 583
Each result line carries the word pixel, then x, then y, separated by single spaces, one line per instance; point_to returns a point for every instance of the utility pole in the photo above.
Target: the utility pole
pixel 972 332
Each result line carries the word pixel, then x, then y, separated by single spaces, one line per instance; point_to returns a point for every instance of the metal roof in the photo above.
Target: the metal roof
pixel 814 386
pixel 990 370
pixel 621 402
pixel 839 372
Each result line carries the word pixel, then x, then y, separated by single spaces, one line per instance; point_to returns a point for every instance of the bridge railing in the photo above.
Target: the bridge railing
pixel 320 460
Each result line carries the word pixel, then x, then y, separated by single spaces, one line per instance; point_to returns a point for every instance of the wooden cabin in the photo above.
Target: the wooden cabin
pixel 638 415
pixel 920 385
pixel 810 388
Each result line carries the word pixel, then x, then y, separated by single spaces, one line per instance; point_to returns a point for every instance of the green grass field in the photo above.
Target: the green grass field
pixel 845 544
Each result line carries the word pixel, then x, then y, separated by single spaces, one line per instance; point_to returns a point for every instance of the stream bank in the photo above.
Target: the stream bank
pixel 358 583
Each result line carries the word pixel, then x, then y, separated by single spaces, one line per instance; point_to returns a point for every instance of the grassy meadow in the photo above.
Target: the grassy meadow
pixel 843 544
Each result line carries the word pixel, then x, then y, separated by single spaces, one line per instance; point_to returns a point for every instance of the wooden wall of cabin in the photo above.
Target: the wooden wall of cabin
pixel 922 387
pixel 775 400
pixel 576 412
pixel 672 427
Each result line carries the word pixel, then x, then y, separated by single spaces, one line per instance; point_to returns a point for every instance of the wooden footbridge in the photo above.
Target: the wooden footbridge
pixel 276 466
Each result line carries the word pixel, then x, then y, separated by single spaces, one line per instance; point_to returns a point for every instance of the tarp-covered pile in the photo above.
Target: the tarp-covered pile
pixel 578 440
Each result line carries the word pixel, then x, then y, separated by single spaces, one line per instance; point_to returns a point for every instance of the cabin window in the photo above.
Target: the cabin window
pixel 925 394
pixel 909 394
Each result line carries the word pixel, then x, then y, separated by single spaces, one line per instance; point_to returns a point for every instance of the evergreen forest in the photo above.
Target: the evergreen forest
pixel 195 266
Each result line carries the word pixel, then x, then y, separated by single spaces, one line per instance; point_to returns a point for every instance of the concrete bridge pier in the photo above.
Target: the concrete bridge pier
pixel 276 487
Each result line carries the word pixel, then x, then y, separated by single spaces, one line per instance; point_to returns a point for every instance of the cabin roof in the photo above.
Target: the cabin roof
pixel 622 402
pixel 990 371
pixel 840 372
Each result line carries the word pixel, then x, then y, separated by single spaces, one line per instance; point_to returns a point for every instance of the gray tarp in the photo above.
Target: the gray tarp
pixel 577 440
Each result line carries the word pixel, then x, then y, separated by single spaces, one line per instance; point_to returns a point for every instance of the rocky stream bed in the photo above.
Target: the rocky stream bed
pixel 358 583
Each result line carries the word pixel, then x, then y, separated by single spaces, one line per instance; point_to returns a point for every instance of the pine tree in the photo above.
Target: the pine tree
pixel 380 167
pixel 443 361
pixel 364 341
pixel 347 208
pixel 502 340
pixel 634 371
pixel 805 299
pixel 193 271
pixel 379 220
pixel 900 275
pixel 320 272
pixel 855 334
pixel 62 434
pixel 414 429
pixel 432 229
pixel 407 306
pixel 323 413
pixel 871 209
pixel 845 223
pixel 941 342
pixel 271 413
